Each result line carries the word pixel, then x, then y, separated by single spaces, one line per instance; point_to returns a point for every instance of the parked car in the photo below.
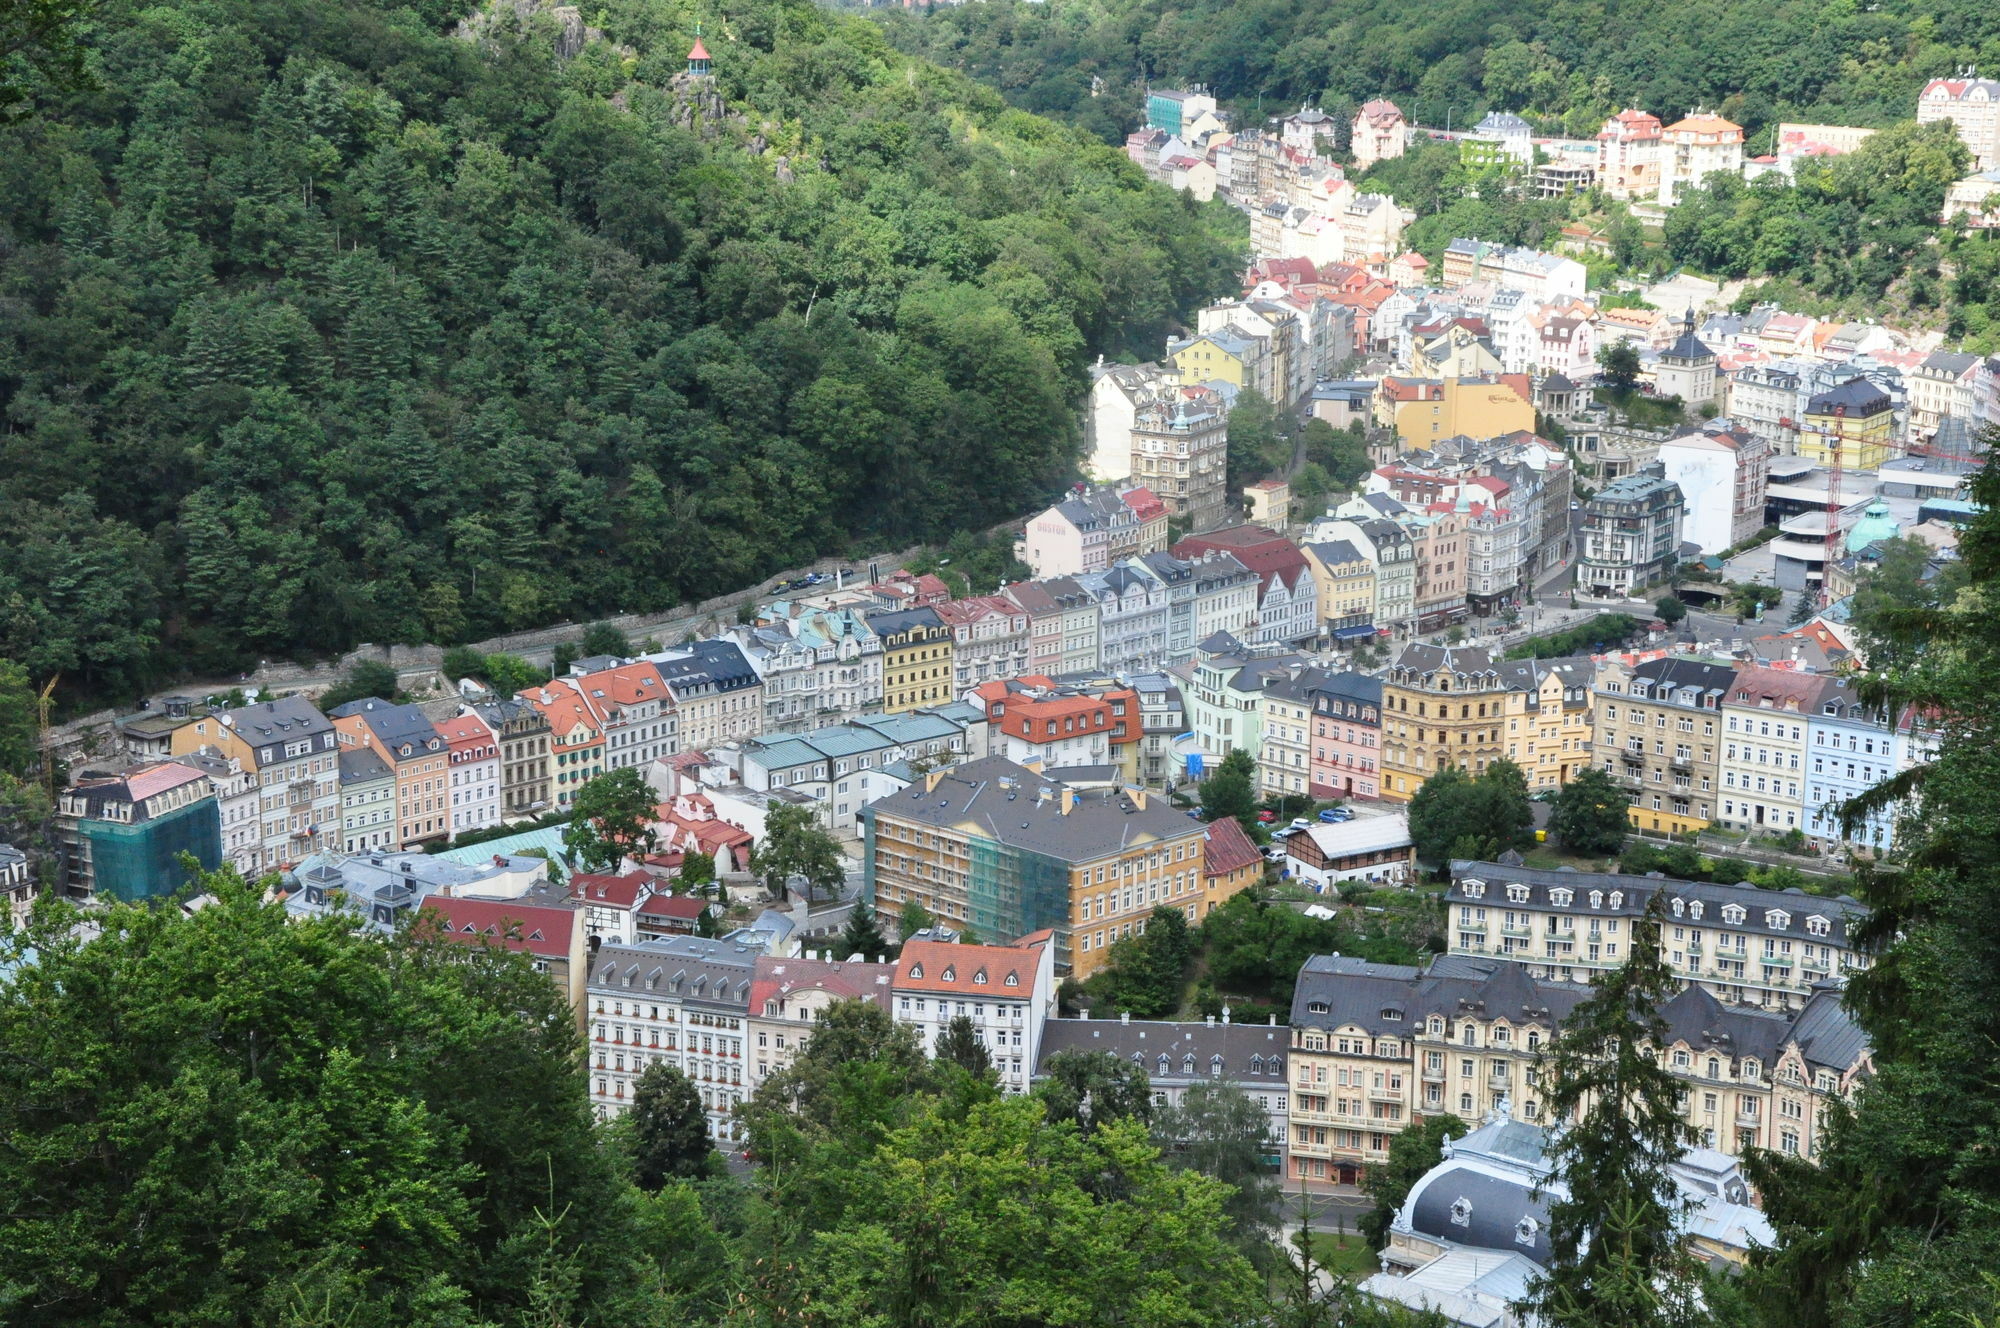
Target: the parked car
pixel 1335 815
pixel 1301 823
pixel 1266 817
pixel 1275 853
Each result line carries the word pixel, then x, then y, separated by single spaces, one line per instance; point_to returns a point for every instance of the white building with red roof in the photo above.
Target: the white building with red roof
pixel 1008 992
pixel 635 711
pixel 1973 105
pixel 788 996
pixel 475 770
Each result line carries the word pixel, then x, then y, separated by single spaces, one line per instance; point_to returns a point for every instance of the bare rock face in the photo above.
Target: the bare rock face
pixel 784 170
pixel 572 34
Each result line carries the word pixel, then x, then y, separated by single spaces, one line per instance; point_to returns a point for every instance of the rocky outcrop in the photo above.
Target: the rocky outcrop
pixel 571 33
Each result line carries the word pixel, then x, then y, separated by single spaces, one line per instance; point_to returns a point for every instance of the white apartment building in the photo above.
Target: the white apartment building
pixel 475 771
pixel 1764 720
pixel 684 1000
pixel 1008 992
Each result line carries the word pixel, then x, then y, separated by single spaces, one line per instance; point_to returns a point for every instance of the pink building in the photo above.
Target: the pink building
pixel 1346 736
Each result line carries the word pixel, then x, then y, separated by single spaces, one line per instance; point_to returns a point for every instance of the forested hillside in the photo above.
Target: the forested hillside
pixel 324 325
pixel 1572 61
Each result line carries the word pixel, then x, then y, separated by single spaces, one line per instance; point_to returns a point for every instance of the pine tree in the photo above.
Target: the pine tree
pixel 960 1044
pixel 1616 1258
pixel 862 935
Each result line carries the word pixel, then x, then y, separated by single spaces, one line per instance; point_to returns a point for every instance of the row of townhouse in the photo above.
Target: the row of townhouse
pixel 1459 706
pixel 1749 748
pixel 1376 1046
pixel 730 1013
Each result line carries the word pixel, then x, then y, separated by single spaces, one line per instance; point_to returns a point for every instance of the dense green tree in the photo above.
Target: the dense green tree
pixel 1217 1130
pixel 1618 365
pixel 374 333
pixel 368 678
pixel 862 935
pixel 1616 1257
pixel 611 819
pixel 1231 791
pixel 960 1044
pixel 1886 1224
pixel 227 1115
pixel 1146 972
pixel 1589 815
pixel 20 720
pixel 1257 445
pixel 604 639
pixel 796 845
pixel 669 1128
pixel 994 1214
pixel 913 918
pixel 1669 609
pixel 697 875
pixel 1092 1089
pixel 1417 1148
pixel 1438 813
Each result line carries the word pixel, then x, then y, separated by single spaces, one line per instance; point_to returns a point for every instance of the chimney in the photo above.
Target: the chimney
pixel 1272 1022
pixel 1210 1021
pixel 1083 1015
pixel 1124 1016
pixel 931 779
pixel 1068 800
pixel 1138 796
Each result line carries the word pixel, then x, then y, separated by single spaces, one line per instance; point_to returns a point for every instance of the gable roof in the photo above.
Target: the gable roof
pixel 947 967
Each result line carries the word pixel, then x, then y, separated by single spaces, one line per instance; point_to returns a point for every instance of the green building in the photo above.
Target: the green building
pixel 123 836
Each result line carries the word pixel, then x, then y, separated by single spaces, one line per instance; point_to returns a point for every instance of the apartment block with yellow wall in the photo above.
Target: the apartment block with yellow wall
pixel 1856 417
pixel 1549 728
pixel 1424 410
pixel 999 847
pixel 1658 730
pixel 406 738
pixel 916 658
pixel 1378 1044
pixel 1441 706
pixel 1345 579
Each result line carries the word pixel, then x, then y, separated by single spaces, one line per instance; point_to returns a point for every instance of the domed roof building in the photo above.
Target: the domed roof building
pixel 1474 1232
pixel 1874 526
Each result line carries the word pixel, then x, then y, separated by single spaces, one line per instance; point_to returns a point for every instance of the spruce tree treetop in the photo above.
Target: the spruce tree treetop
pixel 1616 1255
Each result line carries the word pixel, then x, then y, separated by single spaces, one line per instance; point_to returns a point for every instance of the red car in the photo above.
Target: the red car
pixel 1266 817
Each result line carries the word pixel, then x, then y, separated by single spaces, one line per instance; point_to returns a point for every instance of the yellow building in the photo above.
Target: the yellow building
pixel 1374 1047
pixel 916 658
pixel 1423 410
pixel 1548 719
pixel 1003 849
pixel 1222 355
pixel 1657 734
pixel 1441 706
pixel 1345 579
pixel 1857 417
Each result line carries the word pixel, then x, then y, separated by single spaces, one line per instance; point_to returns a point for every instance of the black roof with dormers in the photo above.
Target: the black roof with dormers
pixel 1633 892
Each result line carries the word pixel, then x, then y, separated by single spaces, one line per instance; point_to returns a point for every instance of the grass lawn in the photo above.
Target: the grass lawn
pixel 1348 1258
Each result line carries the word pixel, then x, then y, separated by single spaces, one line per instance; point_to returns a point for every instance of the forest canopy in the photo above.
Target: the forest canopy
pixel 326 325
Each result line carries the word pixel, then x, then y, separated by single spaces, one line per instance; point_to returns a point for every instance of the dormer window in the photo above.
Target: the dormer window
pixel 1318 1007
pixel 1436 1027
pixel 1817 925
pixel 1473 889
pixel 1518 893
pixel 950 973
pixel 1526 1230
pixel 1733 914
pixel 1461 1211
pixel 979 978
pixel 1187 1063
pixel 916 970
pixel 1597 899
pixel 1215 1066
pixel 1163 1066
pixel 1012 981
pixel 1679 906
pixel 1696 908
pixel 1561 896
pixel 1777 919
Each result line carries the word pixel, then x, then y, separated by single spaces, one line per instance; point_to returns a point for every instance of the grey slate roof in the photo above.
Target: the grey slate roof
pixel 1635 891
pixel 1145 1041
pixel 1011 804
pixel 700 969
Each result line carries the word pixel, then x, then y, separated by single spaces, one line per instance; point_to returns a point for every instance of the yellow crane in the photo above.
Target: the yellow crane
pixel 43 704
